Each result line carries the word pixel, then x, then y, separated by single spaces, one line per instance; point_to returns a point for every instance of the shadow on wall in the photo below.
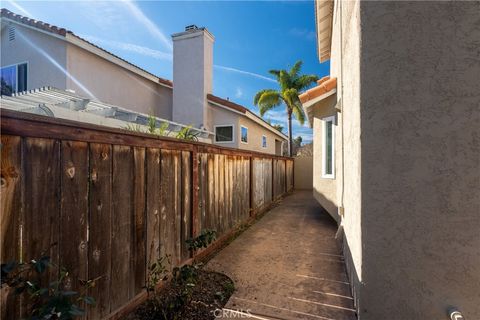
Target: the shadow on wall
pixel 327 204
pixel 303 177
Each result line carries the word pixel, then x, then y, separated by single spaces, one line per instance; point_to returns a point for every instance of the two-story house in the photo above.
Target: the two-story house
pixel 35 54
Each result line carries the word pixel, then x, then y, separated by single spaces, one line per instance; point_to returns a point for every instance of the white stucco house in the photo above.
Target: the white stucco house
pixel 35 55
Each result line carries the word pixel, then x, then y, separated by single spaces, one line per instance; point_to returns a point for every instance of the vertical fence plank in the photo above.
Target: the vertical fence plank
pixel 139 232
pixel 211 192
pixel 122 191
pixel 73 244
pixel 168 186
pixel 177 213
pixel 186 192
pixel 203 176
pixel 99 248
pixel 42 205
pixel 153 192
pixel 11 209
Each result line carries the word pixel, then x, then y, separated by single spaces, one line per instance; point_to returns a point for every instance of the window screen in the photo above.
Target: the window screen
pixel 224 134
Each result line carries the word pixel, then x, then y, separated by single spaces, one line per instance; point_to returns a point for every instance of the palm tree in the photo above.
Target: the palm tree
pixel 291 83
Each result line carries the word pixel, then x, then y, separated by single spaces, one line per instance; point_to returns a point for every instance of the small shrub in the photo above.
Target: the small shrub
pixel 50 301
pixel 158 271
pixel 202 241
pixel 187 133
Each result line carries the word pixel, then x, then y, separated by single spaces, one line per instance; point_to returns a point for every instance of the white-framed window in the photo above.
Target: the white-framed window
pixel 243 134
pixel 14 78
pixel 264 141
pixel 328 148
pixel 224 133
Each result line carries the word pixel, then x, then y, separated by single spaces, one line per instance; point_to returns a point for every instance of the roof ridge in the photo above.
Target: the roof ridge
pixel 34 23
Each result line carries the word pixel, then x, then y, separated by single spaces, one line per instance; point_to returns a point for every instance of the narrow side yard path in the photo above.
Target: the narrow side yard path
pixel 288 265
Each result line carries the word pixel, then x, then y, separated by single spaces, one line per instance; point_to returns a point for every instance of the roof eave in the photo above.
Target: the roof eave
pixel 308 106
pixel 324 19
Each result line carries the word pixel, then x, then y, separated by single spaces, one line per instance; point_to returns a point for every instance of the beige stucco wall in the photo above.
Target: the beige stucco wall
pixel 255 132
pixel 129 90
pixel 222 116
pixel 420 159
pixel 325 189
pixel 45 55
pixel 193 76
pixel 303 168
pixel 345 64
pixel 344 191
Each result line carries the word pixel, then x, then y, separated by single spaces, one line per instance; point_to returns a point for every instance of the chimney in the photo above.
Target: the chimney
pixel 192 76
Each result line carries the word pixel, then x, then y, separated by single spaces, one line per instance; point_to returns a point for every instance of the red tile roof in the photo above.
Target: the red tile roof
pixel 32 22
pixel 63 32
pixel 324 85
pixel 227 103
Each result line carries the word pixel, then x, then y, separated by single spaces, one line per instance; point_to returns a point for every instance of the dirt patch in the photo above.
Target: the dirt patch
pixel 210 292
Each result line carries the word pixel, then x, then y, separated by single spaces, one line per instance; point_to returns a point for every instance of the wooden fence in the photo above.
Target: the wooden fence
pixel 114 201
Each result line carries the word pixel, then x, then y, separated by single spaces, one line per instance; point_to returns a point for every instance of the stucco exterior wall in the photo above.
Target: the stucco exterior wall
pixel 420 170
pixel 255 132
pixel 344 192
pixel 45 55
pixel 325 189
pixel 303 168
pixel 221 117
pixel 129 90
pixel 192 75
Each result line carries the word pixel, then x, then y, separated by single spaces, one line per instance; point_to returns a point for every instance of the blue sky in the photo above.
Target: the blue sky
pixel 250 38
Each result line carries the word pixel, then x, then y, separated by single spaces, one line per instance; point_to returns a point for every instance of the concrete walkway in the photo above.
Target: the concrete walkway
pixel 288 265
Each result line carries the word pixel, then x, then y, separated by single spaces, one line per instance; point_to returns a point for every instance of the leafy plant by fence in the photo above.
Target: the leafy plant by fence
pixel 116 201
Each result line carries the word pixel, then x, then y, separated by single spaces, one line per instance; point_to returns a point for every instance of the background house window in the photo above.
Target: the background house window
pixel 244 134
pixel 328 154
pixel 13 79
pixel 264 141
pixel 224 133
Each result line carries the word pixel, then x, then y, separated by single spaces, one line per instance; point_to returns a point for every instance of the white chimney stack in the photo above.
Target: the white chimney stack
pixel 192 76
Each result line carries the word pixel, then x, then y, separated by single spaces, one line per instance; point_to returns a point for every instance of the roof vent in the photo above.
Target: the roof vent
pixel 11 33
pixel 191 27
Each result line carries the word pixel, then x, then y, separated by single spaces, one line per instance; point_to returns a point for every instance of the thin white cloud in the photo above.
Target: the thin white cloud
pixel 157 54
pixel 303 33
pixel 147 23
pixel 252 74
pixel 144 51
pixel 238 93
pixel 17 6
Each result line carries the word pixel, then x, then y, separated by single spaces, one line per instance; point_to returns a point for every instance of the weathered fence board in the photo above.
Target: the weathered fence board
pixel 12 213
pixel 74 211
pixel 116 201
pixel 153 205
pixel 139 232
pixel 122 189
pixel 100 226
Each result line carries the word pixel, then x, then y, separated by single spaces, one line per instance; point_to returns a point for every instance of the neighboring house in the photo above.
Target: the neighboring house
pixel 35 54
pixel 397 154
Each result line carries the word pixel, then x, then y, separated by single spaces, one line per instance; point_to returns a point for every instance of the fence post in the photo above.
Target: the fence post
pixel 273 179
pixel 195 188
pixel 252 209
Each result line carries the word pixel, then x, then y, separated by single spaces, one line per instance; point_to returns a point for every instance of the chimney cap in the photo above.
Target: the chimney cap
pixel 191 27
